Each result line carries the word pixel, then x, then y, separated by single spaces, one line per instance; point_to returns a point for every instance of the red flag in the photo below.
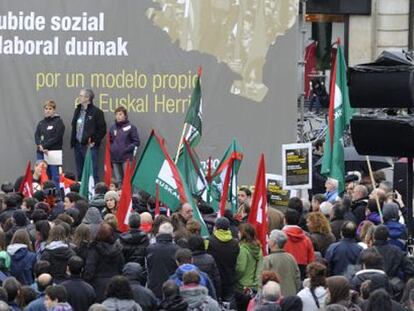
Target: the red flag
pixel 258 208
pixel 157 200
pixel 310 66
pixel 65 183
pixel 107 162
pixel 26 187
pixel 43 175
pixel 125 202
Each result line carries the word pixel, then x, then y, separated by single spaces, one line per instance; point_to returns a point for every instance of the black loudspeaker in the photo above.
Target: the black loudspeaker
pixel 374 87
pixel 384 136
pixel 400 179
pixel 388 82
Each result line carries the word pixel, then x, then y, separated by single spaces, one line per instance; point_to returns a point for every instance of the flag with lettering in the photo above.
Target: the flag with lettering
pixel 87 188
pixel 26 187
pixel 258 208
pixel 224 179
pixel 125 202
pixel 340 114
pixel 156 167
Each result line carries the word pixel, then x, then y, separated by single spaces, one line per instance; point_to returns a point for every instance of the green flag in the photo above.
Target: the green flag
pixel 340 114
pixel 87 188
pixel 224 179
pixel 194 115
pixel 190 168
pixel 156 167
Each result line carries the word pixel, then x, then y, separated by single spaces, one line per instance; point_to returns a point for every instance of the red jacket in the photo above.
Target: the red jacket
pixel 299 245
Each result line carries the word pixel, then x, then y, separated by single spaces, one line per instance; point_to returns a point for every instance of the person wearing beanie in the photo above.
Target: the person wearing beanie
pixel 111 203
pixel 396 264
pixel 225 250
pixel 397 231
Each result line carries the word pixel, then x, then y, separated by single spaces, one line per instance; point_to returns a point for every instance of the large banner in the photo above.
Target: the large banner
pixel 144 55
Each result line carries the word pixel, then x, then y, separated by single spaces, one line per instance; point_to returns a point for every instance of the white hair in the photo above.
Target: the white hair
pixel 271 291
pixel 333 182
pixel 279 237
pixel 166 228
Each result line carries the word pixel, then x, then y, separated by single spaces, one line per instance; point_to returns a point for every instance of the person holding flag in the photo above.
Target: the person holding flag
pixel 340 114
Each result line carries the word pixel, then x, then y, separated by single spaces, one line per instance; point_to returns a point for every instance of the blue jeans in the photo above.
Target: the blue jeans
pixel 80 153
pixel 52 170
pixel 118 170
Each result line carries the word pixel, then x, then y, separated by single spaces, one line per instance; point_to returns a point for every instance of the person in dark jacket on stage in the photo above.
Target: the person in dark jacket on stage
pixel 104 260
pixel 88 129
pixel 124 140
pixel 49 137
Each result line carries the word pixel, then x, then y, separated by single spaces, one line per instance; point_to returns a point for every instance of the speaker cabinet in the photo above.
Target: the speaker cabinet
pixel 384 136
pixel 376 87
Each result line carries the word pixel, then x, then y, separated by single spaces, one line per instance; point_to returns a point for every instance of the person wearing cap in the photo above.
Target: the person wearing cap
pixel 49 137
pixel 111 203
pixel 225 250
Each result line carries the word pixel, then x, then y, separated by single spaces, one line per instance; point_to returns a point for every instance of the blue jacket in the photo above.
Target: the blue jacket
pixel 341 255
pixel 22 262
pixel 37 304
pixel 397 233
pixel 205 281
pixel 124 138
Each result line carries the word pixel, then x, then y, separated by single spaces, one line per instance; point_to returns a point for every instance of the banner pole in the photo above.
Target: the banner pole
pixel 180 144
pixel 371 175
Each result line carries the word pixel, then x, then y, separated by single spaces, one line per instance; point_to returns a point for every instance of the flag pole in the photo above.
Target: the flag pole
pixel 180 145
pixel 371 175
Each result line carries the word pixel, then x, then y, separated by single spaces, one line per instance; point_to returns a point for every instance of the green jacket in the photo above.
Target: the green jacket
pixel 249 266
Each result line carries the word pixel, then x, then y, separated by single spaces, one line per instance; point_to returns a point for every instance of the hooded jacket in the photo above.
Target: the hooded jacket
pixel 142 295
pixel 225 250
pixel 397 233
pixel 134 246
pixel 299 245
pixel 124 138
pixel 103 261
pixel 160 262
pixel 58 254
pixel 249 265
pixel 49 133
pixel 205 281
pixel 174 303
pixel 115 304
pixel 197 297
pixel 22 262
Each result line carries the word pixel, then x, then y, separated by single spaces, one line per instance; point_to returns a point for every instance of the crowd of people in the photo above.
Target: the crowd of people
pixel 60 251
pixel 329 253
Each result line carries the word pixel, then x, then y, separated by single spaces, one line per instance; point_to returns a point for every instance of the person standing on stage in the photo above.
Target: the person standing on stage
pixel 49 137
pixel 88 129
pixel 124 140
